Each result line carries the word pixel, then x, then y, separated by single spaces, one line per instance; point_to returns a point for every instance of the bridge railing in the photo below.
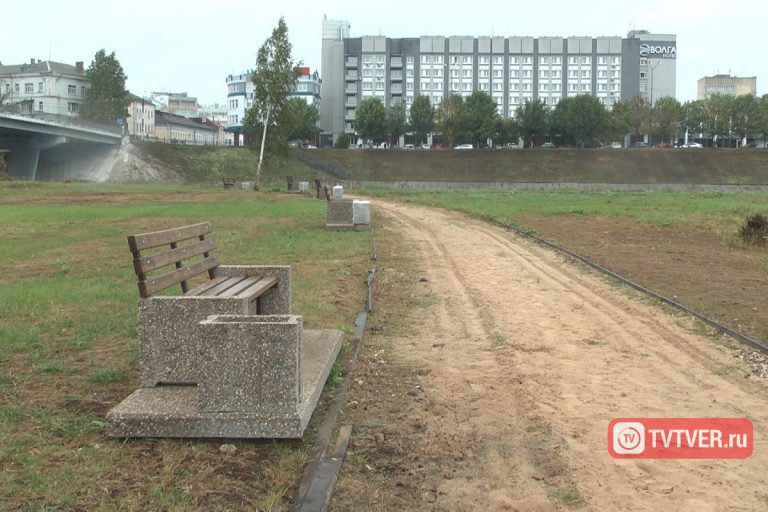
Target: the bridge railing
pixel 73 122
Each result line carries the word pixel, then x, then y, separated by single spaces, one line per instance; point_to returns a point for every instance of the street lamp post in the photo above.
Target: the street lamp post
pixel 651 67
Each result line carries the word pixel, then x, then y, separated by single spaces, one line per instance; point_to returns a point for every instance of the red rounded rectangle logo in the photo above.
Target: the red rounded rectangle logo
pixel 680 438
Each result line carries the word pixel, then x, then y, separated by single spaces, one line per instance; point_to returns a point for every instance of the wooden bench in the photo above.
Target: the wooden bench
pixel 228 182
pixel 249 288
pixel 184 257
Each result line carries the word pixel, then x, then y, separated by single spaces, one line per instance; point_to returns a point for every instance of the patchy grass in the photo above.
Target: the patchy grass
pixel 68 347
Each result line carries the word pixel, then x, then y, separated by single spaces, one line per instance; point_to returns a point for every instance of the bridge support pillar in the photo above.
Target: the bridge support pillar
pixel 22 163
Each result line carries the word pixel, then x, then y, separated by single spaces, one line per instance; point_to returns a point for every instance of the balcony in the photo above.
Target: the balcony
pixel 349 115
pixel 396 62
pixel 350 102
pixel 396 76
pixel 396 89
pixel 350 76
pixel 351 89
pixel 351 62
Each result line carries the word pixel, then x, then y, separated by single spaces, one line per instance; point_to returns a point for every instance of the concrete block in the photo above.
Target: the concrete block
pixel 250 363
pixel 361 212
pixel 304 187
pixel 337 192
pixel 167 324
pixel 174 411
pixel 339 212
pixel 246 185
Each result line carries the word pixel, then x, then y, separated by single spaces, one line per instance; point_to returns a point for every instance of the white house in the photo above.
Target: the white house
pixel 44 86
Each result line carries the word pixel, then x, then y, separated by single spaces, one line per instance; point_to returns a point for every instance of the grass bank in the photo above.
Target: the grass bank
pixel 68 341
pixel 748 166
pixel 208 164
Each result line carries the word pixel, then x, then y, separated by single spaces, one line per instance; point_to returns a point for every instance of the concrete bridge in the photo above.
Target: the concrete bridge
pixel 57 147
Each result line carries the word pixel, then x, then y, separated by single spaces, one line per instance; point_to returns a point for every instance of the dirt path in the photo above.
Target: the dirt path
pixel 522 360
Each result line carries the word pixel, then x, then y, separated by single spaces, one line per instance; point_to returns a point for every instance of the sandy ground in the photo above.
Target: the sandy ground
pixel 523 358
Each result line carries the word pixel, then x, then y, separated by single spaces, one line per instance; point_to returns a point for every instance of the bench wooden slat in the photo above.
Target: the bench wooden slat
pixel 145 264
pixel 259 288
pixel 167 236
pixel 225 285
pixel 203 288
pixel 161 282
pixel 235 290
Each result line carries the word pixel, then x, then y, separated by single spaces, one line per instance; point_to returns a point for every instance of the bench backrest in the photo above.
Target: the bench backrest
pixel 169 267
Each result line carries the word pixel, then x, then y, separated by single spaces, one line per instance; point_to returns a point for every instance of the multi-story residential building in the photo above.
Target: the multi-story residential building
pixel 141 117
pixel 178 103
pixel 512 70
pixel 725 84
pixel 240 96
pixel 44 86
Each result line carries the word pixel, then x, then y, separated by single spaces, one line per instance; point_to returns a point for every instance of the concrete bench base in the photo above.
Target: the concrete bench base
pixel 175 411
pixel 340 215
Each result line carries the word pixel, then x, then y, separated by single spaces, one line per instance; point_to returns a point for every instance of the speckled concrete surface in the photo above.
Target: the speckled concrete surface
pixel 250 363
pixel 340 216
pixel 167 324
pixel 174 411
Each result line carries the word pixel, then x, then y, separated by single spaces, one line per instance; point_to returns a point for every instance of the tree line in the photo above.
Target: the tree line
pixel 576 121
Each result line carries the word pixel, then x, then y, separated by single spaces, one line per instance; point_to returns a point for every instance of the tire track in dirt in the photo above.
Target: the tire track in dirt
pixel 530 357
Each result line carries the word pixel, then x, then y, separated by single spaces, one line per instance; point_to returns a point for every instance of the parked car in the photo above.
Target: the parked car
pixel 464 146
pixel 426 146
pixel 511 145
pixel 641 144
pixel 615 145
pixel 547 145
pixel 409 146
pixel 691 145
pixel 310 146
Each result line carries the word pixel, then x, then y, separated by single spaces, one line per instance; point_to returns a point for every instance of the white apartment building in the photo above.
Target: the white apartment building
pixel 240 96
pixel 46 87
pixel 512 70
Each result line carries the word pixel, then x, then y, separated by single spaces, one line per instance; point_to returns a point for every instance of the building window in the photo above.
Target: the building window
pixel 426 59
pixel 40 106
pixel 424 86
pixel 72 90
pixel 409 59
pixel 29 87
pixel 498 60
pixel 467 60
pixel 483 73
pixel 466 73
pixel 73 108
pixel 485 60
pixel 40 87
pixel 543 60
pixel 16 88
pixel 367 59
pixel 82 91
pixel 482 87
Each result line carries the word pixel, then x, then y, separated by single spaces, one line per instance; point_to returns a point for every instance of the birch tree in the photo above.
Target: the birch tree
pixel 274 79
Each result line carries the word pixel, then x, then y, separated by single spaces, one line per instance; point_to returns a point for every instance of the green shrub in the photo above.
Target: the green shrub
pixel 342 141
pixel 755 229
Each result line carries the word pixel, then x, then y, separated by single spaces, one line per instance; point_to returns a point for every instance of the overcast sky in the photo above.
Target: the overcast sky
pixel 191 46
